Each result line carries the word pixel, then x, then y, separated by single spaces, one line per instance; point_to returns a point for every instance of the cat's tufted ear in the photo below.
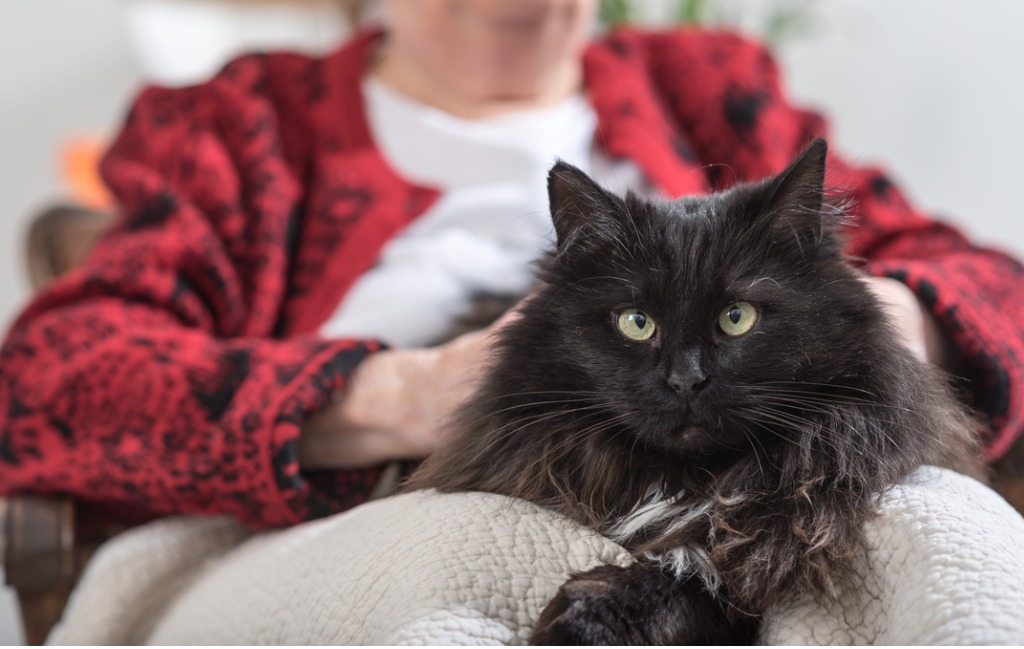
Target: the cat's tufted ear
pixel 578 204
pixel 796 195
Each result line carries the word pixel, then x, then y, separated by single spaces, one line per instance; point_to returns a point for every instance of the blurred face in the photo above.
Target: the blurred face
pixel 485 50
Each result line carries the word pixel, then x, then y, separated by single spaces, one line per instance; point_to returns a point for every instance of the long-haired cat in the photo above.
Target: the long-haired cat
pixel 707 382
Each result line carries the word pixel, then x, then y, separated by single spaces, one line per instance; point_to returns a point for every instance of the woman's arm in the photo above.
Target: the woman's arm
pixel 151 377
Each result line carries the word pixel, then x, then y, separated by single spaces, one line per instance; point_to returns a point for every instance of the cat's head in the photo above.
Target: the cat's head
pixel 697 321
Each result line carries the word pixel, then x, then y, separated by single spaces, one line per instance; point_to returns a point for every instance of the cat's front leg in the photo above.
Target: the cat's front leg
pixel 642 604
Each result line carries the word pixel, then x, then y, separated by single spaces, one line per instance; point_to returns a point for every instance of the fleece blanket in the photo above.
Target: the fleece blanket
pixel 946 566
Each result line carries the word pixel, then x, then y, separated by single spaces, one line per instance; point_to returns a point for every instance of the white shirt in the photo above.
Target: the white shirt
pixel 490 223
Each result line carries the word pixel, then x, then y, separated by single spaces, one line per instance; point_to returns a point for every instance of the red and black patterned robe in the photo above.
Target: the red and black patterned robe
pixel 172 372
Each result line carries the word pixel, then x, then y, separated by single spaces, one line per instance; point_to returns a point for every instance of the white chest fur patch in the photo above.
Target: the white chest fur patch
pixel 661 517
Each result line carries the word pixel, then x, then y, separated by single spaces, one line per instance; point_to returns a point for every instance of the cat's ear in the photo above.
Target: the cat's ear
pixel 578 204
pixel 796 195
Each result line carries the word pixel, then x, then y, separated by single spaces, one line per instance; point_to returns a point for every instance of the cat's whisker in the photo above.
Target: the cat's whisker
pixel 810 398
pixel 526 422
pixel 636 440
pixel 828 434
pixel 547 402
pixel 567 285
pixel 504 432
pixel 757 414
pixel 831 386
pixel 821 431
pixel 597 401
pixel 528 393
pixel 849 399
pixel 593 429
pixel 753 439
pixel 764 279
pixel 819 398
pixel 836 414
pixel 788 419
pixel 888 437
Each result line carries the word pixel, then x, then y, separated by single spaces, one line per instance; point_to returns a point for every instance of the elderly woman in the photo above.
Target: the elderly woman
pixel 253 337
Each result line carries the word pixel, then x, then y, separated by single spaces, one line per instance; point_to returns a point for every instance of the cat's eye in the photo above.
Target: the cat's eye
pixel 635 324
pixel 737 319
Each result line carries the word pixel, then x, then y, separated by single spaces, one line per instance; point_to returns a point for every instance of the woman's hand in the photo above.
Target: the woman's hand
pixel 397 403
pixel 912 321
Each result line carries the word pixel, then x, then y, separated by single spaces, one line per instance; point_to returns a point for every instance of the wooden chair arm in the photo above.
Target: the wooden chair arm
pixel 59 239
pixel 40 560
pixel 46 541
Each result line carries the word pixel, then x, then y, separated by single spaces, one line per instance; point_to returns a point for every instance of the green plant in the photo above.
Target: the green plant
pixel 776 21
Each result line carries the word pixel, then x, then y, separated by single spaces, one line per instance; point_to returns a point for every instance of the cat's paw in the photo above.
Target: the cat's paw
pixel 587 611
pixel 637 605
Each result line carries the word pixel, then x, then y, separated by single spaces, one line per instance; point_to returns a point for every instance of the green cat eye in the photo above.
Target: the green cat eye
pixel 737 319
pixel 635 324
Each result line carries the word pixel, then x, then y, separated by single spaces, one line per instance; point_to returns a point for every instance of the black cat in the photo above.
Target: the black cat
pixel 707 382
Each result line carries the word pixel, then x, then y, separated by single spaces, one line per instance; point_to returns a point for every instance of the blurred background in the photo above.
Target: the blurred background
pixel 931 89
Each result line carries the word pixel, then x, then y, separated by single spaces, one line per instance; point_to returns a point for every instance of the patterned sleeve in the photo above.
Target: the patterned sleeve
pixel 150 379
pixel 726 95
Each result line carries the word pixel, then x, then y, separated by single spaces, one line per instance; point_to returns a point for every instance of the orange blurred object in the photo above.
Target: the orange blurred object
pixel 79 160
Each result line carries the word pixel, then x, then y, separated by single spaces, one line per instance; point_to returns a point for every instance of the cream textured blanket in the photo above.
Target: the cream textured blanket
pixel 946 567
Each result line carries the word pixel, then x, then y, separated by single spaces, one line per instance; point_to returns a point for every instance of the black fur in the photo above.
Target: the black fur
pixel 639 605
pixel 786 434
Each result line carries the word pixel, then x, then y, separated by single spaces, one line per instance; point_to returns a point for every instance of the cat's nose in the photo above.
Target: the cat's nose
pixel 688 383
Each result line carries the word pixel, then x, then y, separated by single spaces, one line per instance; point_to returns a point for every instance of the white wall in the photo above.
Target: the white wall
pixel 932 88
pixel 935 90
pixel 65 69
